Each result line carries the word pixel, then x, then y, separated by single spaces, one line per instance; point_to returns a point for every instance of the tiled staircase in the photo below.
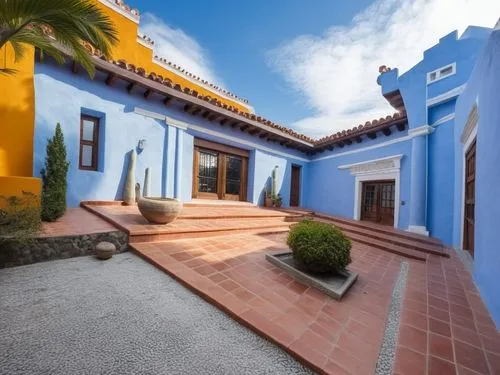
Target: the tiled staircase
pixel 383 237
pixel 209 219
pixel 197 220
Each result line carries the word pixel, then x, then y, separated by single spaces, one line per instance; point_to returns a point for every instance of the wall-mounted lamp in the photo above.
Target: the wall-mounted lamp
pixel 142 145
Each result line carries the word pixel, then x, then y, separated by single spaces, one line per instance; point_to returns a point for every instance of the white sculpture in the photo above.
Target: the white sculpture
pixel 129 189
pixel 146 190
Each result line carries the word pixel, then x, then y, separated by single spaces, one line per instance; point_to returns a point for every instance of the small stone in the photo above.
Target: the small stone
pixel 105 250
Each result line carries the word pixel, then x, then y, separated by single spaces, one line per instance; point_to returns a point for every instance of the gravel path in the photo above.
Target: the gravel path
pixel 121 316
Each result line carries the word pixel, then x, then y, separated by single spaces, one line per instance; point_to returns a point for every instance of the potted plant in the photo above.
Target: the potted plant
pixel 319 247
pixel 318 256
pixel 277 201
pixel 268 200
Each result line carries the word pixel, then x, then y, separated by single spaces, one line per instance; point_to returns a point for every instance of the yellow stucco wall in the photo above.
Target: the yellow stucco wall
pixel 135 53
pixel 17 115
pixel 12 185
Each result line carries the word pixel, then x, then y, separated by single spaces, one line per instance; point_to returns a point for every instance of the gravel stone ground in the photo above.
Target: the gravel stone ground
pixel 387 353
pixel 121 316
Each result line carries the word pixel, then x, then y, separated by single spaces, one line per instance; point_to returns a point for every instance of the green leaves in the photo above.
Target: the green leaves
pixel 70 22
pixel 319 247
pixel 54 178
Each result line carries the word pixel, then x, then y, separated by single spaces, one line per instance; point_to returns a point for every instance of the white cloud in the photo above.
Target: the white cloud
pixel 337 71
pixel 178 47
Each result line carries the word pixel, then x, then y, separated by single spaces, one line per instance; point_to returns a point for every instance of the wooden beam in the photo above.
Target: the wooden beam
pixel 254 131
pixel 213 116
pixel 74 67
pixel 131 87
pixel 148 93
pixel 358 139
pixel 330 148
pixel 339 144
pixel 348 142
pixel 401 127
pixel 387 131
pixel 264 135
pixel 244 127
pixel 234 123
pixel 167 100
pixel 205 114
pixel 372 135
pixel 188 107
pixel 196 111
pixel 224 121
pixel 110 79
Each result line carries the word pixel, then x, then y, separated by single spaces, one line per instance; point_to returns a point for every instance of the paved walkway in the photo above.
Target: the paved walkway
pixel 121 316
pixel 445 328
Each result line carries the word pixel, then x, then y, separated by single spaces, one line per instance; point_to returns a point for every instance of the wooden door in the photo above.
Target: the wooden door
pixel 219 172
pixel 377 202
pixel 295 187
pixel 470 198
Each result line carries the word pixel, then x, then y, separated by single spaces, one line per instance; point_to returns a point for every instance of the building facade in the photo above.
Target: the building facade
pixel 430 168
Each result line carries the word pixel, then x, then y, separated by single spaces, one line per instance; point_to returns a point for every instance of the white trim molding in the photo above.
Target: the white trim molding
pixel 421 130
pixel 158 61
pixel 184 125
pixel 438 75
pixel 418 229
pixel 132 14
pixel 145 43
pixel 387 168
pixel 382 144
pixel 446 96
pixel 444 119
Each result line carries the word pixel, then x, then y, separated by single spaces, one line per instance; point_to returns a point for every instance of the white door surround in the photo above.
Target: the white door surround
pixel 387 168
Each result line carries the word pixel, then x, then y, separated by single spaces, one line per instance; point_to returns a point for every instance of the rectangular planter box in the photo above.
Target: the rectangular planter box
pixel 334 285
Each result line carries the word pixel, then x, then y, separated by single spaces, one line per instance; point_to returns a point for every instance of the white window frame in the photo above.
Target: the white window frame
pixel 440 76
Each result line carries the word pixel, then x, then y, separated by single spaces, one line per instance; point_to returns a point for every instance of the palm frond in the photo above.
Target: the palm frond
pixel 71 21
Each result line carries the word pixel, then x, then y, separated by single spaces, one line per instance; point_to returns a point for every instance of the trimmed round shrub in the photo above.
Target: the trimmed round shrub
pixel 319 247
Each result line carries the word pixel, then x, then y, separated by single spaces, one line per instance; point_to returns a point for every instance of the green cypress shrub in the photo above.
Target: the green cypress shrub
pixel 319 247
pixel 54 178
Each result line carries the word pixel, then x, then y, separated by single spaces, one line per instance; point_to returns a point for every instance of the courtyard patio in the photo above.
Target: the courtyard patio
pixel 416 311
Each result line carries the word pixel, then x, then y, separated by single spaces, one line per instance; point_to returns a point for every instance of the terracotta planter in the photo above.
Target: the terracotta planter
pixel 159 210
pixel 268 202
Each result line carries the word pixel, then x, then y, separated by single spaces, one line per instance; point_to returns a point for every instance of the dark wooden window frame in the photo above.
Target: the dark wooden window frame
pixel 94 143
pixel 223 152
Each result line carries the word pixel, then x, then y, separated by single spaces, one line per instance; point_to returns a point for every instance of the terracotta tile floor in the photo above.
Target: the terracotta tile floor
pixel 445 328
pixel 76 221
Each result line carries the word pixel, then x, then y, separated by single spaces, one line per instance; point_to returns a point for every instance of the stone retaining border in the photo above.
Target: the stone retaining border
pixel 51 248
pixel 387 355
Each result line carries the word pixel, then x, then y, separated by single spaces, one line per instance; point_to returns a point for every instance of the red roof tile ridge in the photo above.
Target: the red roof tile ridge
pixel 358 130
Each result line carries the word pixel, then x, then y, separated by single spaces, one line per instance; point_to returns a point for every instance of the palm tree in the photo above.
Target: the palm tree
pixel 69 22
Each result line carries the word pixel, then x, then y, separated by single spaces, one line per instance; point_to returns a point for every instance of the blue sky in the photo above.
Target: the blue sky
pixel 310 65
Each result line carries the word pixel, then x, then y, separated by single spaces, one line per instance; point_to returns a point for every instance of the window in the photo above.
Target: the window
pixel 441 73
pixel 89 142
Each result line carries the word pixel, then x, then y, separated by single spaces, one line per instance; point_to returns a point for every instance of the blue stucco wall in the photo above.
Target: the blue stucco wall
pixel 169 149
pixel 483 88
pixel 440 183
pixel 331 190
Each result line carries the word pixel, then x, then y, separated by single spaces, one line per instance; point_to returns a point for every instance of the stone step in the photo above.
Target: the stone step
pixel 393 240
pixel 381 229
pixel 391 248
pixel 208 229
